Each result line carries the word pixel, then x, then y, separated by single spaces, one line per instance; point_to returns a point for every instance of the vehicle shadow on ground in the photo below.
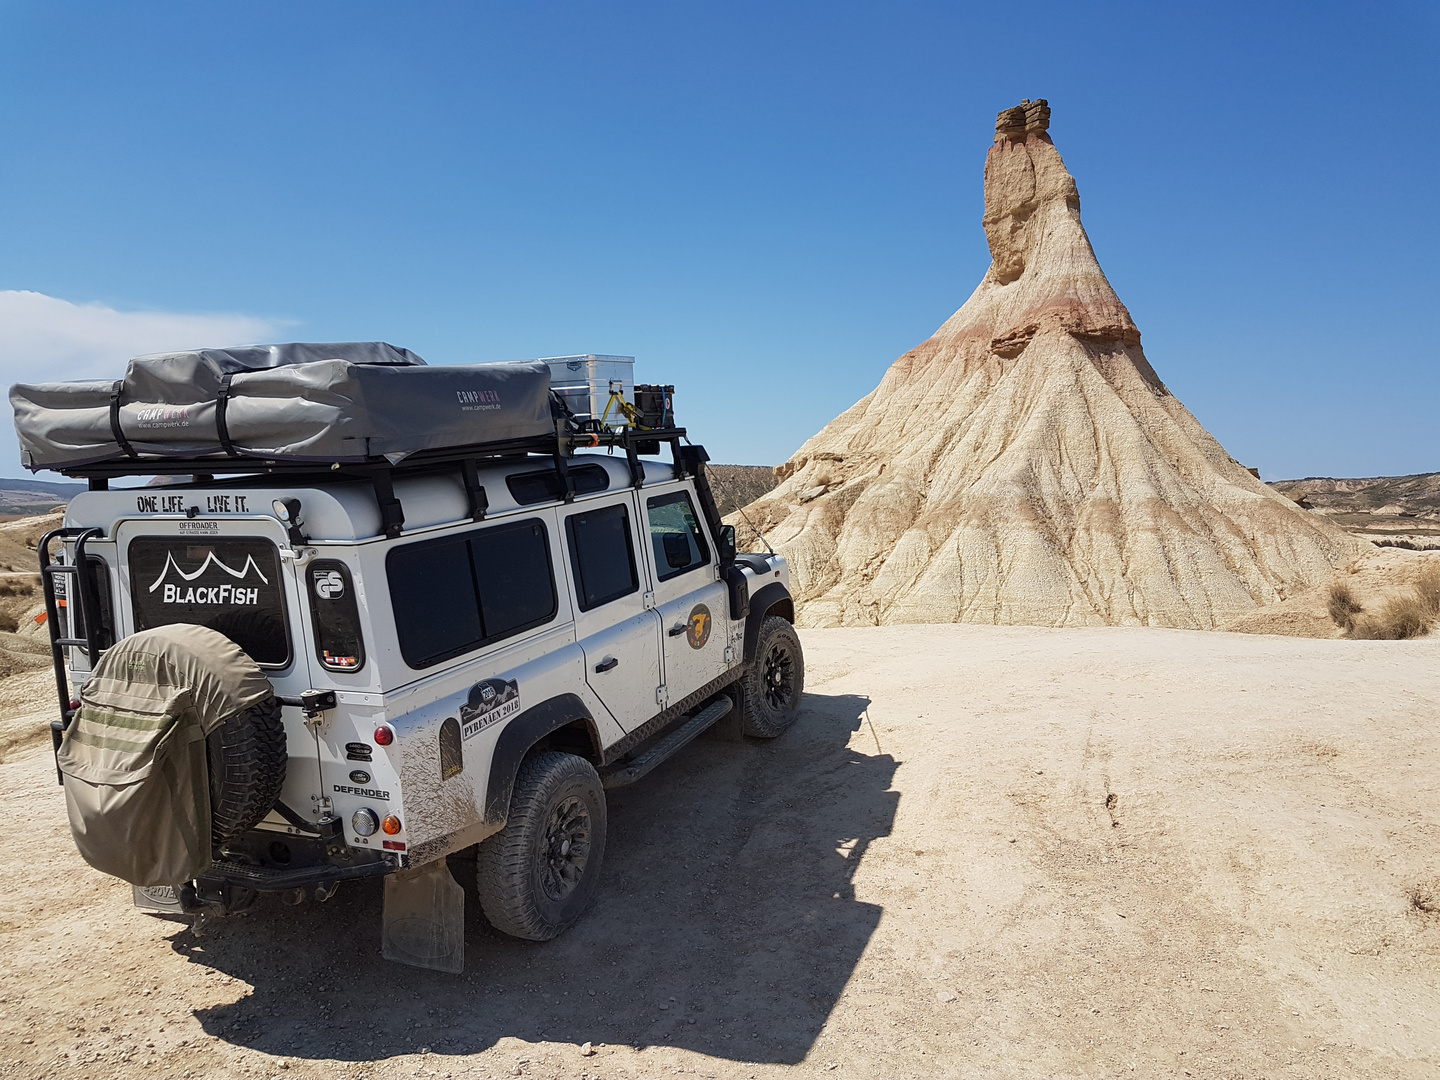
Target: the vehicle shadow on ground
pixel 726 924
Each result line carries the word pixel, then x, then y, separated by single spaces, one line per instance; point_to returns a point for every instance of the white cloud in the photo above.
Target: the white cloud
pixel 46 339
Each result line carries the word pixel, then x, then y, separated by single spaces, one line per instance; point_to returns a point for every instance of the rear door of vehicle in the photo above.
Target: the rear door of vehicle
pixel 227 574
pixel 614 622
pixel 688 595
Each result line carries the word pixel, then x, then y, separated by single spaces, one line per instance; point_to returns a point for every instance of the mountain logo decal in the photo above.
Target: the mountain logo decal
pixel 177 593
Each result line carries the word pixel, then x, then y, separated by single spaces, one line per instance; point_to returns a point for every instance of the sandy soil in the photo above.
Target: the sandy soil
pixel 982 852
pixel 24 639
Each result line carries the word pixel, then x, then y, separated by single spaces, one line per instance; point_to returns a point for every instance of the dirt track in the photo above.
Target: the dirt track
pixel 922 879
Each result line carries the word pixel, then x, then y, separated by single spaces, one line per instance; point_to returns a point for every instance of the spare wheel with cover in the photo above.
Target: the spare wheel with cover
pixel 144 802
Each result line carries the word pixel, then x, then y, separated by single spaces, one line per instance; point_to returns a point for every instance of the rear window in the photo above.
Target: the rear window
pixel 457 594
pixel 232 585
pixel 339 644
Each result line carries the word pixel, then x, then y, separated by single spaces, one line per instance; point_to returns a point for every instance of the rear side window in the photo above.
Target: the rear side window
pixel 232 585
pixel 512 566
pixel 339 645
pixel 545 485
pixel 676 535
pixel 77 610
pixel 602 554
pixel 432 590
pixel 457 594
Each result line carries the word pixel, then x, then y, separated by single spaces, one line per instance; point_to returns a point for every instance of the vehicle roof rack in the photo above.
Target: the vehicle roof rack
pixel 380 472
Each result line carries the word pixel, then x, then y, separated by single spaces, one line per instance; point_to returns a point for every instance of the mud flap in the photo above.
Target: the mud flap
pixel 160 898
pixel 425 919
pixel 730 727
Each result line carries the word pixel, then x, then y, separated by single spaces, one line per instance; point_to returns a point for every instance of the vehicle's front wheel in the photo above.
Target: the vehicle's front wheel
pixel 771 687
pixel 537 875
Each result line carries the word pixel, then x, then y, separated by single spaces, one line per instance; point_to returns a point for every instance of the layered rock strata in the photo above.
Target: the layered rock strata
pixel 1026 464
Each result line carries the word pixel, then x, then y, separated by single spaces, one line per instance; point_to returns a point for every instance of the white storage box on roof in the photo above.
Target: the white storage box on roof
pixel 586 382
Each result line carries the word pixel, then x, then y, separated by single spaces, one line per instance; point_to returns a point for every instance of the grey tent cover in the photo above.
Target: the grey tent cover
pixel 345 401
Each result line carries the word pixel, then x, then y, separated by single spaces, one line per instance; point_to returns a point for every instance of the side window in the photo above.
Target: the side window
pixel 433 593
pixel 602 554
pixel 516 584
pixel 545 486
pixel 676 535
pixel 456 594
pixel 339 645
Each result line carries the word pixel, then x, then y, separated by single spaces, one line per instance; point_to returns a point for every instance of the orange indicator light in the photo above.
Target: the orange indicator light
pixel 391 824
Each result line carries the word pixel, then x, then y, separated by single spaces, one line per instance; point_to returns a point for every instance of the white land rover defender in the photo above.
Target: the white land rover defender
pixel 443 640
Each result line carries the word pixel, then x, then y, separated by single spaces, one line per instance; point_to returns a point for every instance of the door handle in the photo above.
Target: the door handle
pixel 678 629
pixel 606 664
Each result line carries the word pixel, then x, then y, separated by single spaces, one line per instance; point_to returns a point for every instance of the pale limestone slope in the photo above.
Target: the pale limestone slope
pixel 1026 464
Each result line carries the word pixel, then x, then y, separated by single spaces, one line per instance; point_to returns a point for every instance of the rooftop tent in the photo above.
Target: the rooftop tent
pixel 341 402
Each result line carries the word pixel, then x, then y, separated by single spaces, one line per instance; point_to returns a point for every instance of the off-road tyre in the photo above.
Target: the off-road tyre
pixel 531 884
pixel 771 688
pixel 247 758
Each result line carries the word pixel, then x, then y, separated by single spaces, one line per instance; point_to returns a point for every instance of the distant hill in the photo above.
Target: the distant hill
pixel 34 496
pixel 1399 511
pixel 739 485
pixel 1418 494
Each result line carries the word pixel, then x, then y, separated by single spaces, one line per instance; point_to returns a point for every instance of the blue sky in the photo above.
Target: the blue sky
pixel 765 204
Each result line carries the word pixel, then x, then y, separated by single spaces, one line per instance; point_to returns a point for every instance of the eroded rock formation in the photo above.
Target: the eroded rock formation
pixel 1026 464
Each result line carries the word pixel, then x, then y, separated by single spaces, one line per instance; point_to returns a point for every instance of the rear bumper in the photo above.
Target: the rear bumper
pixel 284 878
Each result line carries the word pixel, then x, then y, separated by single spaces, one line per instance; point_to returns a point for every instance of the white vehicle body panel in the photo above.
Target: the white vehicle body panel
pixel 448 718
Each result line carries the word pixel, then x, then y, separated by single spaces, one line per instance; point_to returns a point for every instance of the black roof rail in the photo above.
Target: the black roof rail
pixel 381 473
pixel 564 444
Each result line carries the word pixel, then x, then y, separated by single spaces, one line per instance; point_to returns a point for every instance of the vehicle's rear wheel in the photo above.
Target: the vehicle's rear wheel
pixel 537 876
pixel 247 758
pixel 771 687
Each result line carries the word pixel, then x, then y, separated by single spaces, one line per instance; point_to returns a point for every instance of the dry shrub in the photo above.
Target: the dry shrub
pixel 1343 606
pixel 8 623
pixel 22 587
pixel 1400 618
pixel 1424 897
pixel 1427 588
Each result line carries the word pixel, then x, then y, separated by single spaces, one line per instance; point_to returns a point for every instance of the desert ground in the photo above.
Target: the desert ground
pixel 982 851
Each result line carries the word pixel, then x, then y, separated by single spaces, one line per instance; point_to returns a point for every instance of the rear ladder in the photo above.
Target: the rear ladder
pixel 82 601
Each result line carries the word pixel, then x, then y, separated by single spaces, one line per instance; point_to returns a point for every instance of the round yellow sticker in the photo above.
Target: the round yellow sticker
pixel 697 628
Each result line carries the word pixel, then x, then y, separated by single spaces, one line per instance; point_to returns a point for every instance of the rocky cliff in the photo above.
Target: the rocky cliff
pixel 1026 464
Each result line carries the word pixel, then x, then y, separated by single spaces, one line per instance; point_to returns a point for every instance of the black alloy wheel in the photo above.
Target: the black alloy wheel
pixel 778 676
pixel 567 849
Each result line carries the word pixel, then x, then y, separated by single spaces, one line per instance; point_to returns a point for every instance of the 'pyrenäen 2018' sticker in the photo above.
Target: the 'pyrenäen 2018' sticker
pixel 489 702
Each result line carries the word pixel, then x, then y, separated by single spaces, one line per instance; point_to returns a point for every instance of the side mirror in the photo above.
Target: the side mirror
pixel 726 543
